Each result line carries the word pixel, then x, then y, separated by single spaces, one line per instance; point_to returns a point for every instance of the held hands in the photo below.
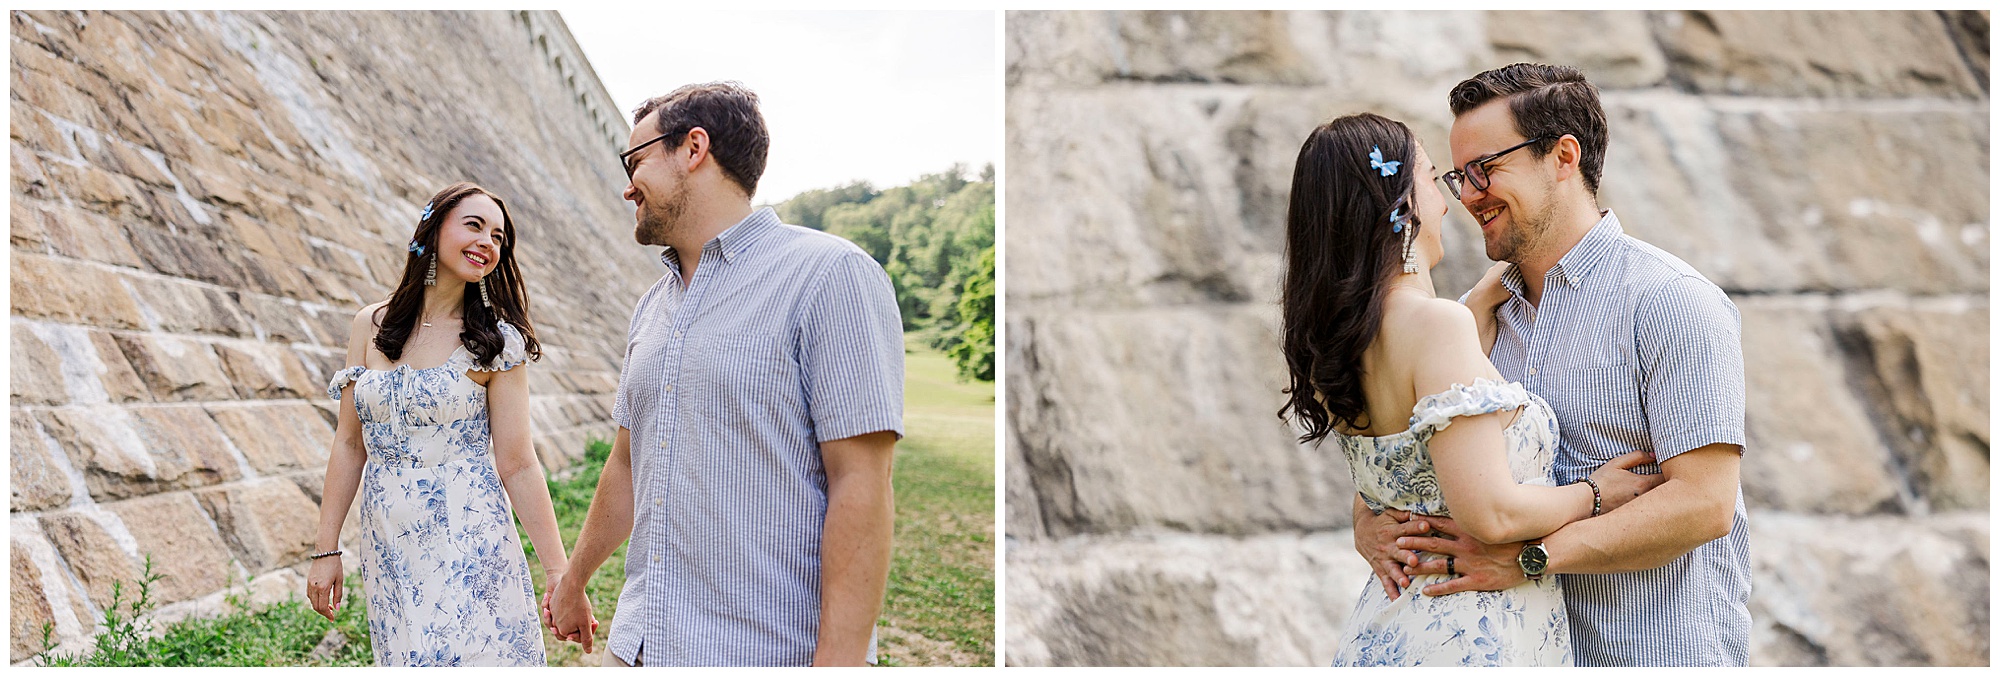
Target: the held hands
pixel 323 583
pixel 567 611
pixel 1619 485
pixel 1479 566
pixel 1375 538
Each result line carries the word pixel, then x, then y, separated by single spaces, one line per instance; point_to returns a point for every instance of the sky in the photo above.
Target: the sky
pixel 878 96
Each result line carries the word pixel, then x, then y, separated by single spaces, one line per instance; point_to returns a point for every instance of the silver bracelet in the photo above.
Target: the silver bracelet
pixel 1596 498
pixel 329 553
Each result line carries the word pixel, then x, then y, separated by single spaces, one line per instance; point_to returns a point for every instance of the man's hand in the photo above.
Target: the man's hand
pixel 1375 538
pixel 569 613
pixel 1479 566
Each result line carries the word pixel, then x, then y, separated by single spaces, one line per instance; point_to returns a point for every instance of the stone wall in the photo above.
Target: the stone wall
pixel 200 203
pixel 1829 170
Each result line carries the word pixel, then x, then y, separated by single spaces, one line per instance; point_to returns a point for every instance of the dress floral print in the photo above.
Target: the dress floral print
pixel 1523 625
pixel 446 579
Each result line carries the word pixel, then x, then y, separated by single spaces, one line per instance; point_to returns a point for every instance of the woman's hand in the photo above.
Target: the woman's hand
pixel 1484 300
pixel 1618 485
pixel 323 585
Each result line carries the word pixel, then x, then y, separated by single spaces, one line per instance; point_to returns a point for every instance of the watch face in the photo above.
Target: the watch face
pixel 1534 559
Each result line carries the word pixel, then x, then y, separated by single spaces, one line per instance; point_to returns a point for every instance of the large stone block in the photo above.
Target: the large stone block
pixel 268 523
pixel 64 291
pixel 1232 47
pixel 1277 599
pixel 34 370
pixel 40 594
pixel 266 371
pixel 1164 419
pixel 1614 49
pixel 89 540
pixel 176 369
pixel 183 542
pixel 1927 367
pixel 1835 590
pixel 62 364
pixel 1125 212
pixel 1818 53
pixel 277 438
pixel 1780 197
pixel 81 234
pixel 189 308
pixel 36 481
pixel 125 453
pixel 1812 447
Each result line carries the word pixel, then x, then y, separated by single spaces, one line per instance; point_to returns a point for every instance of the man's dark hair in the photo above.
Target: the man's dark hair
pixel 728 112
pixel 1547 101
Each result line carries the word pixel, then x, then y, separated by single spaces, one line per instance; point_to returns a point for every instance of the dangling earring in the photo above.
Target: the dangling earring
pixel 483 296
pixel 431 276
pixel 1409 262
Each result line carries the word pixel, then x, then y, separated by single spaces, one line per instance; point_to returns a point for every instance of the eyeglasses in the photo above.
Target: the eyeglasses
pixel 625 158
pixel 1475 171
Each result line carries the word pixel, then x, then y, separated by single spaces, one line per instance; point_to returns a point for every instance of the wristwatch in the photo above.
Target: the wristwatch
pixel 1534 560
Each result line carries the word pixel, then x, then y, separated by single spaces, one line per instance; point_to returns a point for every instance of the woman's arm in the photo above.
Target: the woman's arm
pixel 1470 456
pixel 343 476
pixel 520 472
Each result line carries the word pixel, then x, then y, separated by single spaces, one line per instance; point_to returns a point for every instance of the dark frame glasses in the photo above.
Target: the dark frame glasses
pixel 1475 171
pixel 624 159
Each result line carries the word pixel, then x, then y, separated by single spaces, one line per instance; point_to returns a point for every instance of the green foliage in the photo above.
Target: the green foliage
pixel 285 633
pixel 974 352
pixel 930 236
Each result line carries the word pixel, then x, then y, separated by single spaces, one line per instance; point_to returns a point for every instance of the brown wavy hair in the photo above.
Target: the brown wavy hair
pixel 480 329
pixel 1340 253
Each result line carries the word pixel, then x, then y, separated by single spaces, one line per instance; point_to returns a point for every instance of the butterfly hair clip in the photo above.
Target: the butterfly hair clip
pixel 1398 219
pixel 1375 162
pixel 428 205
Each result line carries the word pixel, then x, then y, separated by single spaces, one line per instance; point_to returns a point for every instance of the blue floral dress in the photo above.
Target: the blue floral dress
pixel 1523 625
pixel 446 580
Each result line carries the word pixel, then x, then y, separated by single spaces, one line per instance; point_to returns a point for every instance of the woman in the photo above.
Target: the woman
pixel 1399 378
pixel 446 579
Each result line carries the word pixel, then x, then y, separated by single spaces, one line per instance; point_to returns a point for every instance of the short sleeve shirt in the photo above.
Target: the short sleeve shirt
pixel 785 338
pixel 1635 350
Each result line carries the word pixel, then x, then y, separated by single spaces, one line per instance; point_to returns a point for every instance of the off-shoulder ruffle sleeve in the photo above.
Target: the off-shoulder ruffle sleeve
pixel 513 351
pixel 1434 412
pixel 341 379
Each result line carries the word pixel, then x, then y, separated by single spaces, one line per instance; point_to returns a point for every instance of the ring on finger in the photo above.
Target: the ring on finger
pixel 1451 566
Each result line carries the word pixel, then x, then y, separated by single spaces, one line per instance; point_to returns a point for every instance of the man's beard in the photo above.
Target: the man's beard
pixel 659 220
pixel 1520 240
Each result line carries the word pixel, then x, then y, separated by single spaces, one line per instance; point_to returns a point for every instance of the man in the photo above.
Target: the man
pixel 758 411
pixel 1633 349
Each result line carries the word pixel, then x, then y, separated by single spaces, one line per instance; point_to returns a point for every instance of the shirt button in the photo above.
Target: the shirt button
pixel 656 558
pixel 663 444
pixel 670 387
pixel 1531 371
pixel 656 501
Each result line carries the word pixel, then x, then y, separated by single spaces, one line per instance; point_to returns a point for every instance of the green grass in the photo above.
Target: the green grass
pixel 938 611
pixel 281 634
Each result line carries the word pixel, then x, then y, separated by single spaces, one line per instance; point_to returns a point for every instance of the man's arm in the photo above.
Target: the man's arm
pixel 854 551
pixel 605 527
pixel 1693 506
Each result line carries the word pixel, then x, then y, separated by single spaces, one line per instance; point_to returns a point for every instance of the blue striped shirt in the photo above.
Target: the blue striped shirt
pixel 786 337
pixel 1635 350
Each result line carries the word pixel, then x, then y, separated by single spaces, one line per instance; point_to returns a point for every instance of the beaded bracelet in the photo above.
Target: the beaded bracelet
pixel 329 553
pixel 1596 498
